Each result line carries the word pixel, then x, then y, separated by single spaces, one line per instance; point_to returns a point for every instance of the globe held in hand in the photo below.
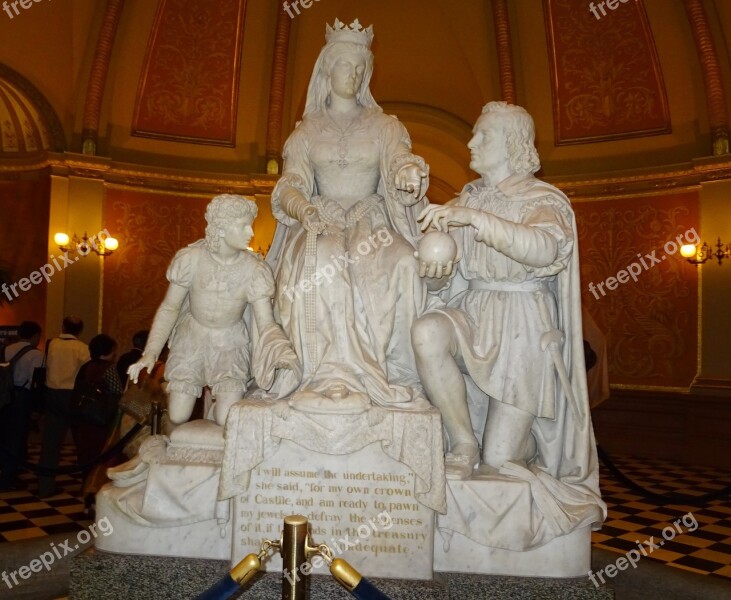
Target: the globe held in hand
pixel 437 246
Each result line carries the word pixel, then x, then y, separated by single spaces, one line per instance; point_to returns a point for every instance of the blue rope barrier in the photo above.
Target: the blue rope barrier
pixel 365 590
pixel 357 585
pixel 222 590
pixel 237 577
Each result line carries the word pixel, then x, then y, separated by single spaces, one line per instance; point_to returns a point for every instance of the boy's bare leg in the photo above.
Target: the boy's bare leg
pixel 180 407
pixel 224 402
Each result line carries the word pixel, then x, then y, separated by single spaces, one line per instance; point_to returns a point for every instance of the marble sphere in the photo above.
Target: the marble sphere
pixel 437 246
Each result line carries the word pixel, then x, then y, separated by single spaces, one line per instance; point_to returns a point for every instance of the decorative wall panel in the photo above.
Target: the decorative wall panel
pixel 151 228
pixel 23 245
pixel 189 86
pixel 605 74
pixel 651 323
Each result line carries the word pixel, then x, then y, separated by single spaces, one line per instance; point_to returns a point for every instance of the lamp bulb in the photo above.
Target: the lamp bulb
pixel 61 239
pixel 687 250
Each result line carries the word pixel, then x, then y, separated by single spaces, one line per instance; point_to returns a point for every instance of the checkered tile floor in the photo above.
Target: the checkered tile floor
pixel 24 516
pixel 631 519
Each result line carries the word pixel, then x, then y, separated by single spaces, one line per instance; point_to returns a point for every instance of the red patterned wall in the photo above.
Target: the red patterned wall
pixel 605 74
pixel 24 207
pixel 651 324
pixel 151 228
pixel 189 85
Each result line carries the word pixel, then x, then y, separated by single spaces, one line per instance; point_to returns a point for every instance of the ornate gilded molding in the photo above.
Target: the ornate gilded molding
pixel 710 383
pixel 590 187
pixel 644 181
pixel 98 76
pixel 504 51
pixel 276 92
pixel 55 129
pixel 140 177
pixel 715 93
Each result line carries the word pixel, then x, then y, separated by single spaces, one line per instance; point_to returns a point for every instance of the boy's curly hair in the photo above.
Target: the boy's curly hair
pixel 221 211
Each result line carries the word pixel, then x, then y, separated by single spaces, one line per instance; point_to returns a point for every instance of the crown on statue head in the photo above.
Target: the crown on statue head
pixel 353 33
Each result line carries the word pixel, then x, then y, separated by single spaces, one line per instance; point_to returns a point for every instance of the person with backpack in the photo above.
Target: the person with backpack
pixel 16 405
pixel 97 390
pixel 66 354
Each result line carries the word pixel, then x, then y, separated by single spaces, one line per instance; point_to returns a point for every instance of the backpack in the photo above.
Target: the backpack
pixel 90 402
pixel 7 384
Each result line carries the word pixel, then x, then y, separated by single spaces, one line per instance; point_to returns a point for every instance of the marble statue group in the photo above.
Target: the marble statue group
pixel 464 329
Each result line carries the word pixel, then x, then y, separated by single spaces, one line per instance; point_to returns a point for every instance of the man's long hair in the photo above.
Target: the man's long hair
pixel 519 130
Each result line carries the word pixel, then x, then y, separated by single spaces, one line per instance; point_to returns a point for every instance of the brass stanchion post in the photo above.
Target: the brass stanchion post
pixel 155 418
pixel 294 555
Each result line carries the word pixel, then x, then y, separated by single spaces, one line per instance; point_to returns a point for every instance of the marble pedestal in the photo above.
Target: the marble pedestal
pixel 493 527
pixel 170 508
pixel 205 539
pixel 361 505
pixel 369 481
pixel 565 556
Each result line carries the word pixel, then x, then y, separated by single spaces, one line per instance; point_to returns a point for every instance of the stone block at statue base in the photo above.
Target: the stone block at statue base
pixel 205 539
pixel 369 481
pixel 493 526
pixel 163 502
pixel 565 556
pixel 360 504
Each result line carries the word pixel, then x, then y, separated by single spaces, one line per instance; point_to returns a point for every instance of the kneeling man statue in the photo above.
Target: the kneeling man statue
pixel 510 339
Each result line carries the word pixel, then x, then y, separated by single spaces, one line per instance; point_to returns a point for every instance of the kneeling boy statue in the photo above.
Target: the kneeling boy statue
pixel 211 283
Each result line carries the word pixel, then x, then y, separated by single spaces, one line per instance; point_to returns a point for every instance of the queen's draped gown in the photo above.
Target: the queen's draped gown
pixel 348 296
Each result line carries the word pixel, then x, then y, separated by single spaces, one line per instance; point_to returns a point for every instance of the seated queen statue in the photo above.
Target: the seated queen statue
pixel 348 287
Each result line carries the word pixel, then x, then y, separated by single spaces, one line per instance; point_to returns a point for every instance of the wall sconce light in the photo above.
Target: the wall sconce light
pixel 696 255
pixel 86 244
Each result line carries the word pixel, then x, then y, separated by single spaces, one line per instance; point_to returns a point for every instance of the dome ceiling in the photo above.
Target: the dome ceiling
pixel 24 130
pixel 189 84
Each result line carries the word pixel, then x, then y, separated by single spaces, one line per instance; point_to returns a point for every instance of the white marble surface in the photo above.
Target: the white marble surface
pixel 565 556
pixel 204 539
pixel 255 429
pixel 361 504
pixel 510 510
pixel 494 526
